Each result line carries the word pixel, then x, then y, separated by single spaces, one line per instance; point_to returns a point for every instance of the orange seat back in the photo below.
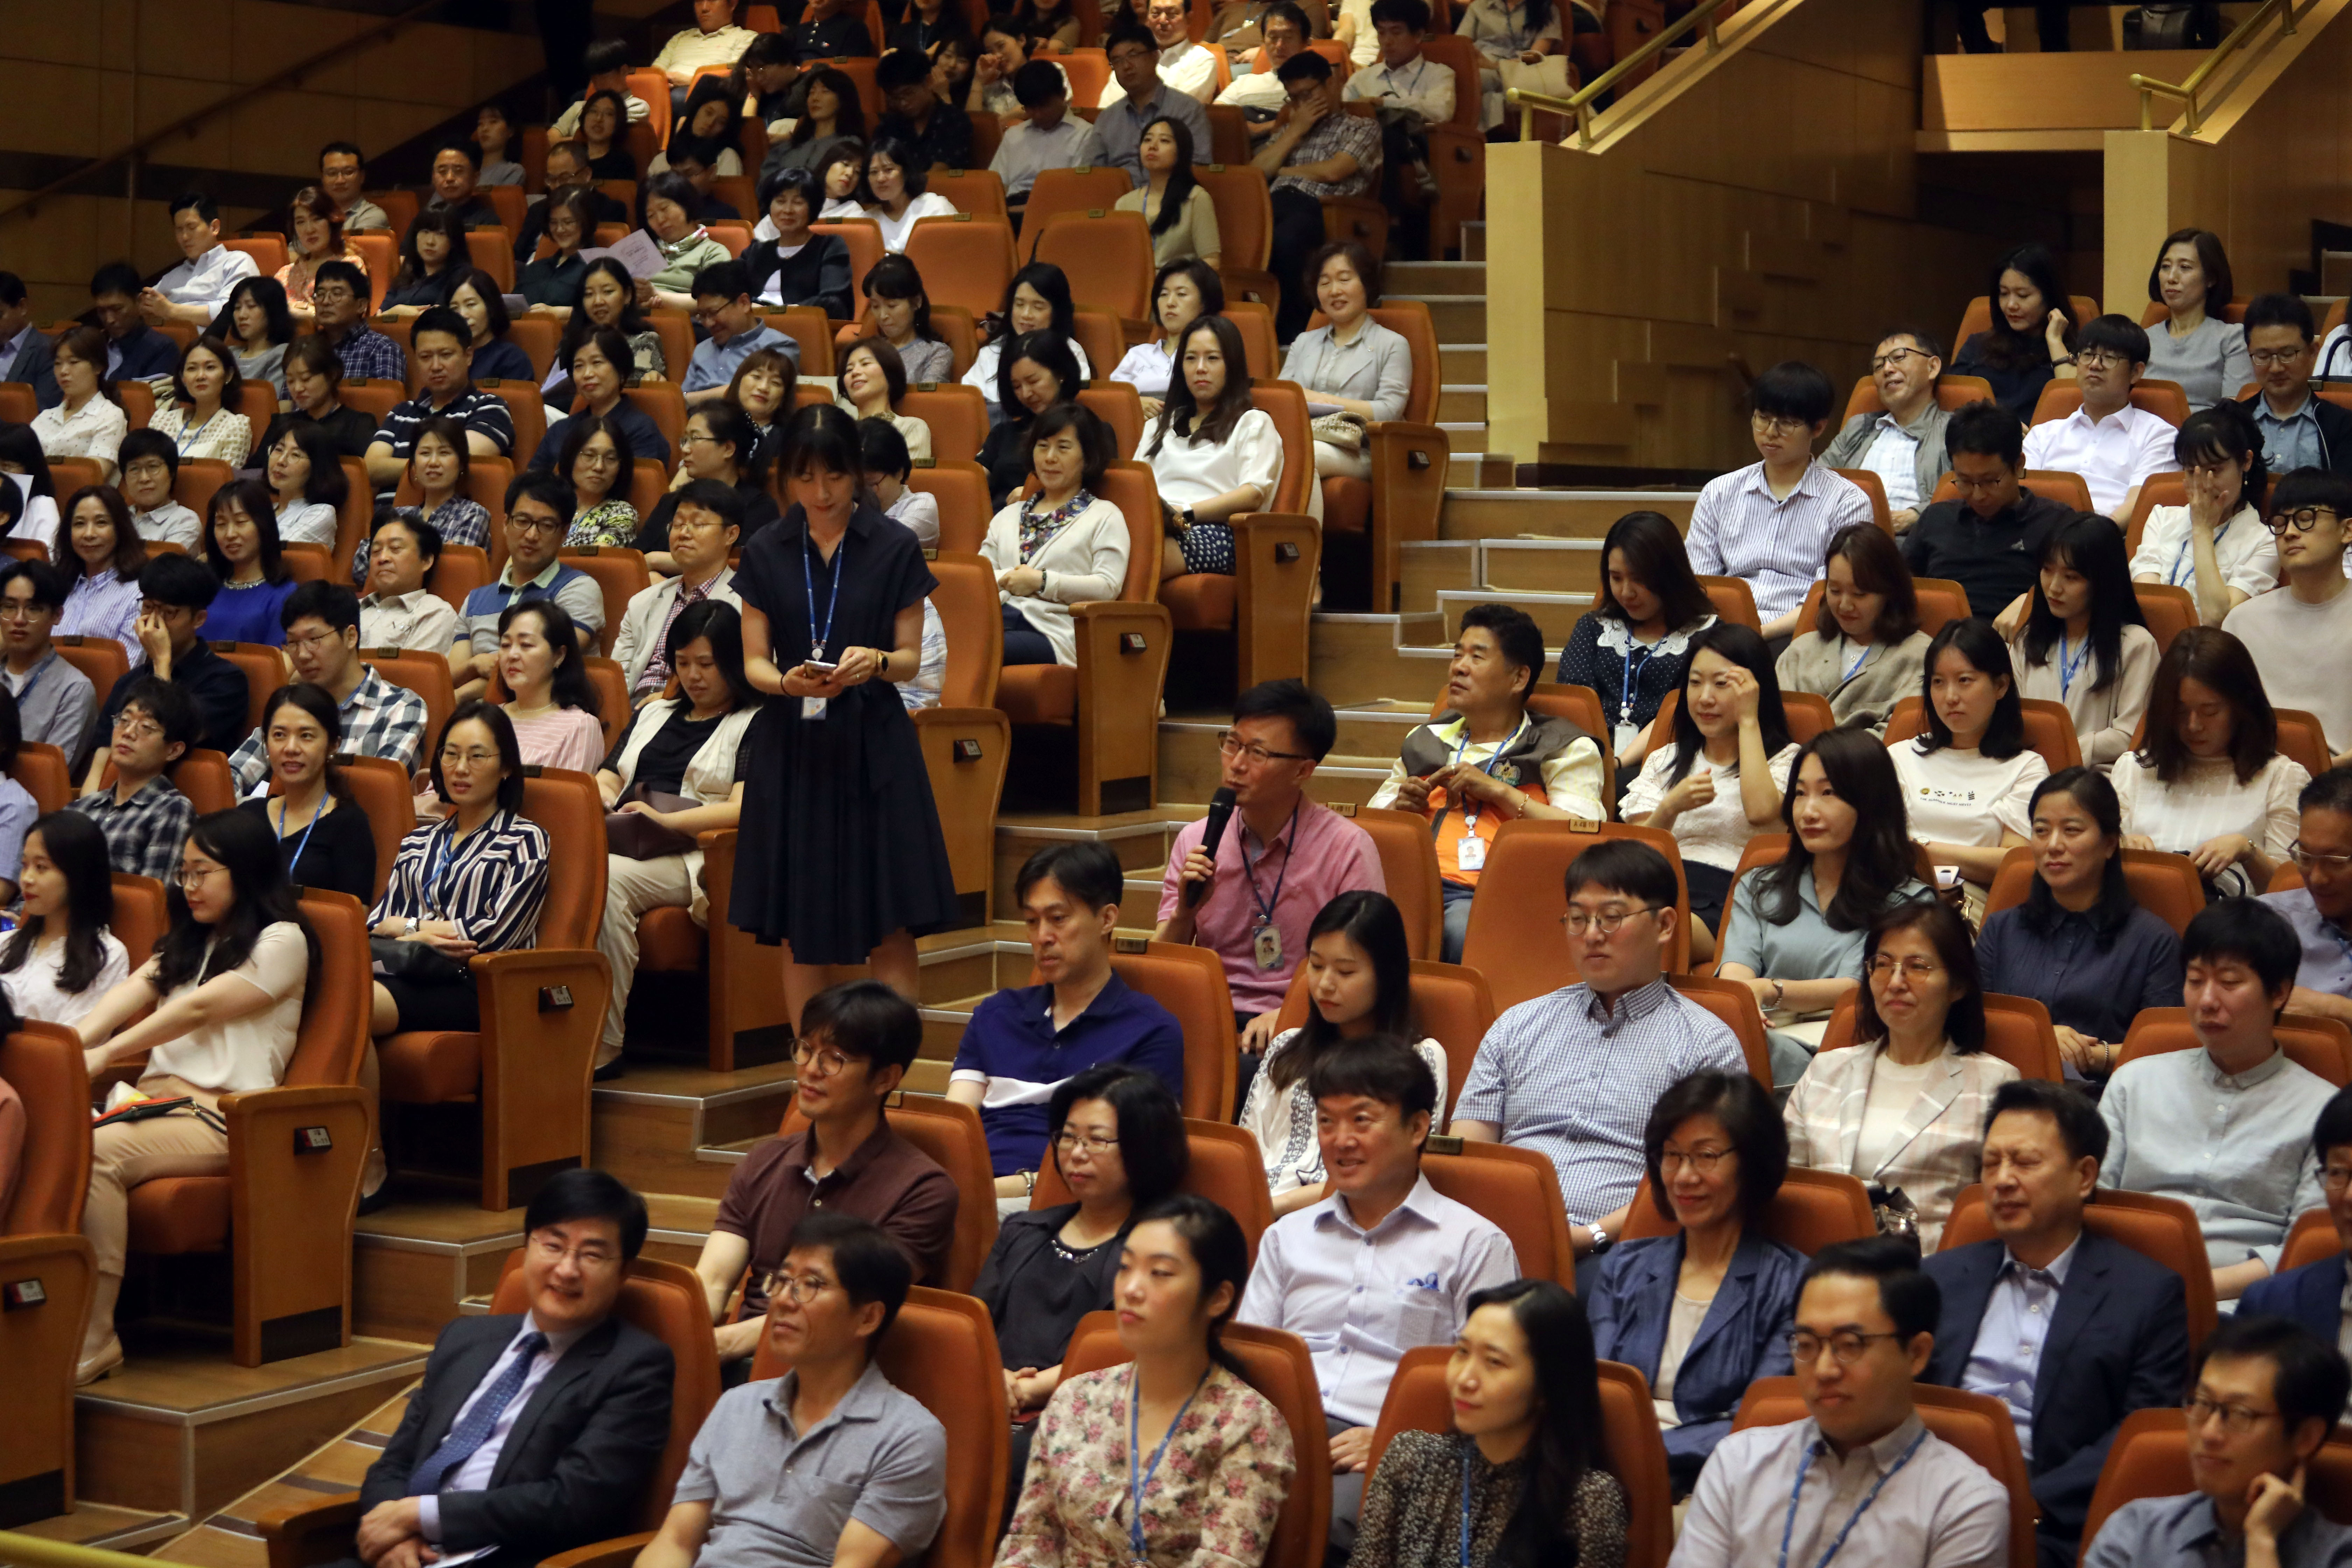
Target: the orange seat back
pixel 42 770
pixel 1951 392
pixel 491 250
pixel 1409 866
pixel 375 399
pixel 620 577
pixel 201 478
pixel 1978 318
pixel 1102 340
pixel 2311 1237
pixel 380 253
pixel 140 916
pixel 138 400
pixel 527 408
pixel 664 405
pixel 963 260
pixel 1130 485
pixel 968 606
pixel 1450 1004
pixel 2017 1030
pixel 1734 1006
pixel 1522 897
pixel 267 250
pixel 863 236
pixel 43 1063
pixel 2156 490
pixel 1254 321
pixel 1732 600
pixel 1814 1209
pixel 384 793
pixel 265 672
pixel 980 191
pixel 1190 981
pixel 2301 738
pixel 1106 255
pixel 1870 485
pixel 806 325
pixel 2169 611
pixel 958 416
pixel 567 805
pixel 1286 403
pixel 102 659
pixel 2049 729
pixel 335 1002
pixel 202 774
pixel 1118 404
pixel 2164 1230
pixel 961 492
pixel 20 405
pixel 1078 190
pixel 2166 885
pixel 1222 1163
pixel 1515 1190
pixel 425 674
pixel 2320 1046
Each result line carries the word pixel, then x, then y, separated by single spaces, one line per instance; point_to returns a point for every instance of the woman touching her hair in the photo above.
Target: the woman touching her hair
pixel 1865 650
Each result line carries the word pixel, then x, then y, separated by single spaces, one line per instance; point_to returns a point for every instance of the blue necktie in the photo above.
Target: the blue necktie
pixel 470 1433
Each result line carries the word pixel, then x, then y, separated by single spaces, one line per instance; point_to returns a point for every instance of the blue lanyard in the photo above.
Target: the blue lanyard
pixel 313 827
pixel 434 870
pixel 188 435
pixel 1249 873
pixel 2068 667
pixel 2172 579
pixel 40 673
pixel 1470 812
pixel 1135 1483
pixel 1789 1526
pixel 808 562
pixel 1860 659
pixel 1466 1504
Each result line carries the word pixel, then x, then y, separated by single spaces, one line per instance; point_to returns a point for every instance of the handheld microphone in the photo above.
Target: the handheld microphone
pixel 1220 812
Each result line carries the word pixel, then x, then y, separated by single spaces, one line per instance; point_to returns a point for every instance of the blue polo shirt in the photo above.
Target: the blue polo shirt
pixel 1012 1047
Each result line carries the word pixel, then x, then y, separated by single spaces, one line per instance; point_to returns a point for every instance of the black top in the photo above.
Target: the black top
pixel 1995 560
pixel 218 688
pixel 2015 389
pixel 350 429
pixel 1005 456
pixel 759 511
pixel 1036 1289
pixel 843 32
pixel 426 291
pixel 661 766
pixel 816 274
pixel 2097 991
pixel 615 164
pixel 602 208
pixel 475 212
pixel 339 855
pixel 947 137
pixel 552 282
pixel 502 359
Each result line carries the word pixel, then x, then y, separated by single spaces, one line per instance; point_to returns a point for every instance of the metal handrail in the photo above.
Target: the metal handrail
pixel 1580 104
pixel 2239 37
pixel 244 94
pixel 37 1552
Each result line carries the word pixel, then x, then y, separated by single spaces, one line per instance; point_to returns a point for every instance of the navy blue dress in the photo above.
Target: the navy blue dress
pixel 840 843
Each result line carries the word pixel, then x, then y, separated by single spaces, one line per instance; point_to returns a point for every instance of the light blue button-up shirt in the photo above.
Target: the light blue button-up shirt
pixel 714 364
pixel 2007 1357
pixel 2293 442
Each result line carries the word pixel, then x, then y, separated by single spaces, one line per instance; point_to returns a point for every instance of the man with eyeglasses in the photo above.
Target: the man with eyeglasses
pixel 855 1044
pixel 722 302
pixel 342 173
pixel 830 1465
pixel 1184 66
pixel 2265 1395
pixel 2315 1294
pixel 323 641
pixel 144 817
pixel 2071 1330
pixel 2115 445
pixel 538 511
pixel 1575 1075
pixel 533 1432
pixel 1771 521
pixel 1025 1042
pixel 2320 911
pixel 1903 442
pixel 2300 429
pixel 2226 1126
pixel 55 701
pixel 1860 1480
pixel 339 297
pixel 175 594
pixel 2297 636
pixel 443 347
pixel 1283 858
pixel 1989 540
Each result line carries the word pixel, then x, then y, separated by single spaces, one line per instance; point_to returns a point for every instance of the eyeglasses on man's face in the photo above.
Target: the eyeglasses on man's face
pixel 1895 357
pixel 2100 359
pixel 587 1255
pixel 1257 753
pixel 2236 1419
pixel 2302 521
pixel 1776 425
pixel 2327 865
pixel 1608 922
pixel 818 1062
pixel 2267 359
pixel 1846 1346
pixel 799 1290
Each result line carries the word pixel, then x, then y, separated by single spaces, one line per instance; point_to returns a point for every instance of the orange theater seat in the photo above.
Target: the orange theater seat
pixel 2166 885
pixel 42 770
pixel 1409 867
pixel 1073 191
pixel 620 575
pixel 1814 1209
pixel 1190 981
pixel 1521 898
pixel 1517 1191
pixel 1734 1004
pixel 43 1063
pixel 963 260
pixel 1951 392
pixel 1224 1165
pixel 1106 255
pixel 1372 517
pixel 958 416
pixel 2320 1046
pixel 50 1278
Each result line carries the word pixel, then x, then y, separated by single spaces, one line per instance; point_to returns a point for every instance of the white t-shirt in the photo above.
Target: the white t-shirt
pixel 930 203
pixel 33 989
pixel 1189 471
pixel 1714 834
pixel 1148 367
pixel 1967 797
pixel 2208 801
pixel 2243 547
pixel 984 365
pixel 250 1052
pixel 2298 651
pixel 1893 1092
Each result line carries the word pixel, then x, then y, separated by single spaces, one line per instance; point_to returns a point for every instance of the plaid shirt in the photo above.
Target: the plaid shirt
pixel 1339 132
pixel 657 675
pixel 380 719
pixel 368 356
pixel 144 835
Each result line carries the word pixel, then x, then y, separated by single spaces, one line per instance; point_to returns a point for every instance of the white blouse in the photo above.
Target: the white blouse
pixel 1189 471
pixel 97 431
pixel 307 523
pixel 1714 834
pixel 983 373
pixel 250 1052
pixel 2207 802
pixel 2243 547
pixel 34 991
pixel 2104 721
pixel 1148 367
pixel 1284 1123
pixel 1085 560
pixel 930 203
pixel 1967 797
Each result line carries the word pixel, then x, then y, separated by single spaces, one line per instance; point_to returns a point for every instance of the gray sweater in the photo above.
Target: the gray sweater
pixel 1847 447
pixel 1817 664
pixel 2209 363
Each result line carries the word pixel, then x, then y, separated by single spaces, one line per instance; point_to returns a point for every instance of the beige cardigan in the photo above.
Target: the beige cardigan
pixel 1942 1137
pixel 1818 664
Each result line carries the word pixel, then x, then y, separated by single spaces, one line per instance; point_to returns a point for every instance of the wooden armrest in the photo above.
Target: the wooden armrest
pixel 1275 555
pixel 304 1534
pixel 1409 465
pixel 617 1553
pixel 542 1013
pixel 1122 663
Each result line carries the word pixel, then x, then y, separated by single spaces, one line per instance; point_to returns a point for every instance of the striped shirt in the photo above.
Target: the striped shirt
pixel 380 719
pixel 1565 1076
pixel 478 621
pixel 143 834
pixel 492 884
pixel 104 606
pixel 472 410
pixel 1739 530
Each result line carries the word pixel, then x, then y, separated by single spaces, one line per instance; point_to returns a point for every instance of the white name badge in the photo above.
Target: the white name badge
pixel 813 707
pixel 1472 853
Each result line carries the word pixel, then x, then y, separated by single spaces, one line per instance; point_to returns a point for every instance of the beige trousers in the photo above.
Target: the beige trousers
pixel 124 1155
pixel 631 888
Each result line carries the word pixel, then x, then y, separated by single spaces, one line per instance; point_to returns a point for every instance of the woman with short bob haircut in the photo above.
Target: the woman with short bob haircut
pixel 2208 780
pixel 1182 292
pixel 2084 613
pixel 1518 1482
pixel 1968 777
pixel 1865 651
pixel 1064 545
pixel 2217 546
pixel 2194 345
pixel 257 324
pixel 1919 1036
pixel 308 483
pixel 2080 944
pixel 1632 647
pixel 1719 1286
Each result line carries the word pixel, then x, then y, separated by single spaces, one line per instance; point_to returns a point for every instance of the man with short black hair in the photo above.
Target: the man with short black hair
pixel 566 171
pixel 1485 760
pixel 2069 1329
pixel 339 301
pixel 1574 1075
pixel 913 112
pixel 55 701
pixel 2115 445
pixel 2293 634
pixel 533 1433
pixel 2315 1294
pixel 2300 429
pixel 1989 540
pixel 1257 92
pixel 443 348
pixel 1903 443
pixel 1185 67
pixel 1384 1263
pixel 1283 858
pixel 1413 93
pixel 2320 910
pixel 1317 149
pixel 722 303
pixel 175 592
pixel 829 29
pixel 340 175
pixel 1024 1041
pixel 322 642
pixel 144 817
pixel 1794 1493
pixel 457 171
pixel 26 354
pixel 1239 27
pixel 1137 96
pixel 197 289
pixel 857 1041
pixel 705 522
pixel 829 1465
pixel 538 513
pixel 2225 1127
pixel 2265 1395
pixel 134 350
pixel 1050 138
pixel 695 159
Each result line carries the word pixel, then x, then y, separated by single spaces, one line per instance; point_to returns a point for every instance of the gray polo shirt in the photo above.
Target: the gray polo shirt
pixel 2185 1532
pixel 54 704
pixel 781 1500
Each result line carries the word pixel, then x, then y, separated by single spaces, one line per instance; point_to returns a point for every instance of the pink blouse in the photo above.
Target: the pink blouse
pixel 567 738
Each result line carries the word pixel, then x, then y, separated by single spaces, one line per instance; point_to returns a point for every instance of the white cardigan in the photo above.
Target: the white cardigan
pixel 1189 472
pixel 1085 561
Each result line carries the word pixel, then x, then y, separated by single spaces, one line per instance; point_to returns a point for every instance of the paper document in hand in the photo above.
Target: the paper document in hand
pixel 635 250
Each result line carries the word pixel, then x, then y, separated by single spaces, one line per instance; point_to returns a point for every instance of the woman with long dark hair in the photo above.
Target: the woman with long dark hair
pixel 1632 647
pixel 604 137
pixel 2080 944
pixel 479 302
pixel 1865 650
pixel 319 825
pixel 2085 642
pixel 2032 335
pixel 242 547
pixel 1213 453
pixel 1721 782
pixel 1039 373
pixel 1359 982
pixel 1174 1458
pixel 62 958
pixel 898 177
pixel 899 313
pixel 88 421
pixel 1518 1483
pixel 1036 301
pixel 308 483
pixel 830 110
pixel 2217 546
pixel 225 988
pixel 100 554
pixel 1795 929
pixel 315 238
pixel 257 324
pixel 1969 776
pixel 433 256
pixel 1175 206
pixel 1919 1037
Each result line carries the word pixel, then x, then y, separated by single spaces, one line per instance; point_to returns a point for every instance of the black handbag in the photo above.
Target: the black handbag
pixel 634 836
pixel 417 961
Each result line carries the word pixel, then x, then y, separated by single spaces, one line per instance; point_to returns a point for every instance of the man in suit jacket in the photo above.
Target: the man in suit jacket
pixel 533 1433
pixel 26 354
pixel 705 522
pixel 2313 1294
pixel 2116 1338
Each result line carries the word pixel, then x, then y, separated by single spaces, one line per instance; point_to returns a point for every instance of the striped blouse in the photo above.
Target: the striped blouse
pixel 492 883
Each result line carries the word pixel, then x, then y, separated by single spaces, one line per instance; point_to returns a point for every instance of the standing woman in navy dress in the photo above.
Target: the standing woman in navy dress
pixel 840 855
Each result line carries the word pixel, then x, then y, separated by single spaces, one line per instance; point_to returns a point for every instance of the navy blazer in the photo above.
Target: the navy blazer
pixel 574 1466
pixel 36 365
pixel 1744 1336
pixel 2136 1358
pixel 2312 1295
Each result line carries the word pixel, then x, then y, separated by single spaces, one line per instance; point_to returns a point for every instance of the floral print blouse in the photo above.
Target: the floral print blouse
pixel 1212 1503
pixel 611 525
pixel 1412 1508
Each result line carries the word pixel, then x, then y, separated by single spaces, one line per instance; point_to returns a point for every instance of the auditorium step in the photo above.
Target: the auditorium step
pixel 106 1526
pixel 231 1538
pixel 1559 514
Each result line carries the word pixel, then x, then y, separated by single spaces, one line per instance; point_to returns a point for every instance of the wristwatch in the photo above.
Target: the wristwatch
pixel 411 926
pixel 1601 1241
pixel 1780 991
pixel 1188 518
